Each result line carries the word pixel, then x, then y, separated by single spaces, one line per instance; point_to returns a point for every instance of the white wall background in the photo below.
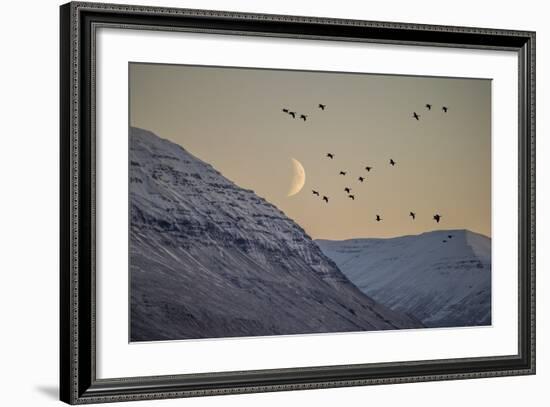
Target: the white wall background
pixel 29 163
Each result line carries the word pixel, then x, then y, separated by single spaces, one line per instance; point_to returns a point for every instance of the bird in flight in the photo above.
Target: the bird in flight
pixel 412 215
pixel 368 169
pixel 322 107
pixel 330 155
pixel 352 197
pixel 293 114
pixel 325 198
pixel 347 189
pixel 416 116
pixel 445 108
pixel 343 172
pixel 361 179
pixel 303 117
pixel 315 192
pixel 285 110
pixel 392 162
pixel 378 218
pixel 450 236
pixel 428 106
pixel 444 241
pixel 437 217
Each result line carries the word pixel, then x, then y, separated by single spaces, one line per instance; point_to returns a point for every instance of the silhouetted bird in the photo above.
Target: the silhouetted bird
pixel 445 108
pixel 412 215
pixel 293 114
pixel 322 107
pixel 330 155
pixel 416 116
pixel 315 192
pixel 348 190
pixel 437 217
pixel 368 169
pixel 378 218
pixel 303 117
pixel 392 162
pixel 428 106
pixel 285 110
pixel 325 198
pixel 444 241
pixel 361 179
pixel 343 172
pixel 450 236
pixel 351 197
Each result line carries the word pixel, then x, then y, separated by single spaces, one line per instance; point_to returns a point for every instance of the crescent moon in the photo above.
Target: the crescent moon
pixel 298 178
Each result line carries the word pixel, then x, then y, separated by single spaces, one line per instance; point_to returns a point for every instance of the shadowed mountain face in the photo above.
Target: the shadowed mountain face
pixel 209 259
pixel 441 281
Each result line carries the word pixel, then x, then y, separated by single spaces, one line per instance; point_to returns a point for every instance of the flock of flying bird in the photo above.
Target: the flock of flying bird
pixel 437 217
pixel 302 116
pixel 429 107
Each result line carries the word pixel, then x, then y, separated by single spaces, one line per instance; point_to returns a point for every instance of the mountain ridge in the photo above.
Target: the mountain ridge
pixel 439 280
pixel 403 236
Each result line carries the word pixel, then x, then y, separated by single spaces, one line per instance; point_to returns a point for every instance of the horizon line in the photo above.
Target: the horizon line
pixel 406 235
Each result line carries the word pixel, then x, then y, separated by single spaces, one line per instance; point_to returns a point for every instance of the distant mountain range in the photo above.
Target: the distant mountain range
pixel 209 259
pixel 442 284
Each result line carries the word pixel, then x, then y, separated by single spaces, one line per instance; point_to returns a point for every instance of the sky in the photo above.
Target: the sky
pixel 232 118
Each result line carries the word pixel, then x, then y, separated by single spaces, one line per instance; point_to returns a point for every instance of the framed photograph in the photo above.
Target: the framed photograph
pixel 255 203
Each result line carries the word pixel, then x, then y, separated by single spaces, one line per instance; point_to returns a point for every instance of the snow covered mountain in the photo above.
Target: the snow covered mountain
pixel 442 284
pixel 210 259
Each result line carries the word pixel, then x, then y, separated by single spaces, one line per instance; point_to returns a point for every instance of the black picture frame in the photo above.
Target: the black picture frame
pixel 78 382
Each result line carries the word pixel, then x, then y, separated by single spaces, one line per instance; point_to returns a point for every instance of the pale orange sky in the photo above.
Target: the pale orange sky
pixel 232 119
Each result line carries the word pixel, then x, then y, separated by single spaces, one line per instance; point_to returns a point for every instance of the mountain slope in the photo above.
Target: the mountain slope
pixel 441 284
pixel 210 259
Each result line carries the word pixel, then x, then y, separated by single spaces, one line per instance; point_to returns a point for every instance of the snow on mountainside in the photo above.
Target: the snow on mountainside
pixel 441 284
pixel 210 259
